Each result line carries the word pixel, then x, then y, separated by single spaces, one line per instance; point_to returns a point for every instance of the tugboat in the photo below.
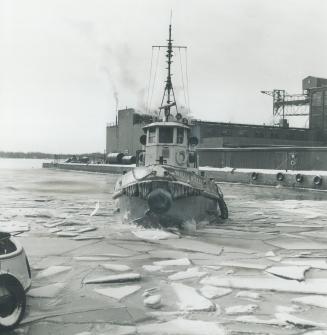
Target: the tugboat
pixel 166 187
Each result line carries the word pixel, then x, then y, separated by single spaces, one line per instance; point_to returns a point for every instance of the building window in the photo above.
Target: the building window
pixel 166 135
pixel 317 99
pixel 180 135
pixel 152 135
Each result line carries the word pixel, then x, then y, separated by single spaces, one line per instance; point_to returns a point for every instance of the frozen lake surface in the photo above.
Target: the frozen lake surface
pixel 264 271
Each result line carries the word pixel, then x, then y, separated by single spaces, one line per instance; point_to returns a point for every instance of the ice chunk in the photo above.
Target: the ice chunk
pixel 312 300
pixel 289 272
pixel 153 301
pixel 245 264
pixel 316 332
pixel 182 326
pixel 88 237
pixel 52 271
pixel 194 246
pixel 97 206
pixel 316 263
pixel 116 267
pixel 212 292
pixel 86 229
pixel 66 234
pixel 270 254
pixel 248 295
pixel 313 286
pixel 173 262
pixel 294 244
pixel 241 309
pixel 152 268
pixel 255 319
pixel 287 309
pixel 189 273
pixel 118 293
pixel 191 300
pixel 124 277
pixel 299 322
pixel 154 234
pixel 49 291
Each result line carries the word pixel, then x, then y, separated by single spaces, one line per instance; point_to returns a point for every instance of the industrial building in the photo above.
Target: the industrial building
pixel 247 145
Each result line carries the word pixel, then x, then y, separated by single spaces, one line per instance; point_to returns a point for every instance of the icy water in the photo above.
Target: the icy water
pixel 264 271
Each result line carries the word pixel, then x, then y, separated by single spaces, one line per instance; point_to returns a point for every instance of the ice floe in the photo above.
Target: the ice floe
pixel 299 322
pixel 296 272
pixel 124 277
pixel 153 301
pixel 248 295
pixel 118 293
pixel 88 237
pixel 311 285
pixel 212 292
pixel 86 229
pixel 154 234
pixel 317 263
pixel 116 267
pixel 67 234
pixel 97 206
pixel 52 271
pixel 241 309
pixel 312 300
pixel 182 326
pixel 173 262
pixel 152 268
pixel 264 321
pixel 245 264
pixel 48 291
pixel 189 273
pixel 295 243
pixel 190 299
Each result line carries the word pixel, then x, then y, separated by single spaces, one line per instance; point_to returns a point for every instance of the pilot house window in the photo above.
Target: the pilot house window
pixel 180 135
pixel 166 135
pixel 152 135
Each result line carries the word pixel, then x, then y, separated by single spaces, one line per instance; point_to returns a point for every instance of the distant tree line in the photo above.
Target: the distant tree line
pixel 42 155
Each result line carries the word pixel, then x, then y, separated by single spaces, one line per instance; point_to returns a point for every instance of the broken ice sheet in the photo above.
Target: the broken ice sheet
pixel 256 320
pixel 88 237
pixel 182 326
pixel 313 286
pixel 189 273
pixel 152 268
pixel 116 267
pixel 190 299
pixel 154 234
pixel 317 263
pixel 295 244
pixel 67 234
pixel 118 293
pixel 312 300
pixel 124 277
pixel 173 262
pixel 86 229
pixel 241 309
pixel 299 322
pixel 52 271
pixel 48 291
pixel 289 272
pixel 212 292
pixel 248 295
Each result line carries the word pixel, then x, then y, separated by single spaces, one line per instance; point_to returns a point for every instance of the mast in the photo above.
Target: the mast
pixel 169 89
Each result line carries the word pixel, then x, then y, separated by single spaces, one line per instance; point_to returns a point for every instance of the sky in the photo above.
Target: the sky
pixel 65 65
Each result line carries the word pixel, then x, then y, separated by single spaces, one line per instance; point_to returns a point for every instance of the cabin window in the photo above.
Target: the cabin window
pixel 166 134
pixel 152 135
pixel 180 135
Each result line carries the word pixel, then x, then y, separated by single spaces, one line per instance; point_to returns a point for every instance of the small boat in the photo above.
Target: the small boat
pixel 15 280
pixel 166 186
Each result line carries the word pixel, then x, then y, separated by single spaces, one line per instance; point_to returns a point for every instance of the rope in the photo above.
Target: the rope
pixel 182 72
pixel 187 81
pixel 154 78
pixel 149 84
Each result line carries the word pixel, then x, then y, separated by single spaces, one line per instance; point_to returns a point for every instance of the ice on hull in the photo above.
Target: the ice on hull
pixel 196 208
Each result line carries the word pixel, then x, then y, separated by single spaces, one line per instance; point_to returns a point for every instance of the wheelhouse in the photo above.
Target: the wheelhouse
pixel 167 144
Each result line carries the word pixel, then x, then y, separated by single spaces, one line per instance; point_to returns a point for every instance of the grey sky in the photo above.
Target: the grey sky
pixel 62 60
